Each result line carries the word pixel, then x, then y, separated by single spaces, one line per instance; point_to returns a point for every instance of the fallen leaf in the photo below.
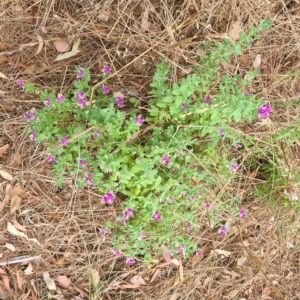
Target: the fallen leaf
pixel 5 279
pixel 18 10
pixel 6 197
pixel 293 196
pixel 185 71
pixel 2 92
pixel 175 261
pixel 64 281
pixel 17 190
pixel 3 76
pixel 104 15
pixel 6 175
pixel 200 52
pixel 15 203
pixel 145 23
pixel 241 261
pixel 137 280
pixel 195 260
pixel 15 159
pixel 154 275
pixel 29 269
pixel 43 28
pixel 4 295
pixel 174 296
pixel 17 225
pixel 41 44
pixel 129 286
pixel 222 252
pixel 207 281
pixel 3 149
pixel 234 31
pixel 95 277
pixel 19 279
pixel 257 61
pixel 73 52
pixel 14 231
pixel 10 247
pixel 166 253
pixel 62 45
pixel 49 282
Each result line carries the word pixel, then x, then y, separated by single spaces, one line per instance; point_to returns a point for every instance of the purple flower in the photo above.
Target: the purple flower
pixel 190 226
pixel 82 100
pixel 221 131
pixel 120 101
pixel 207 205
pixel 51 159
pixel 207 99
pixel 128 213
pixel 184 106
pixel 29 116
pixel 108 197
pixel 81 162
pixel 117 252
pixel 106 69
pixel 130 261
pixel 89 179
pixel 65 141
pixel 181 249
pixel 157 216
pixel 32 136
pixel 238 145
pixel 243 213
pixel 198 252
pixel 80 73
pixel 142 234
pixel 96 134
pixel 120 219
pixel 234 167
pixel 248 92
pixel 105 89
pixel 223 230
pixel 60 98
pixel 47 102
pixel 139 120
pixel 104 231
pixel 166 159
pixel 21 83
pixel 264 110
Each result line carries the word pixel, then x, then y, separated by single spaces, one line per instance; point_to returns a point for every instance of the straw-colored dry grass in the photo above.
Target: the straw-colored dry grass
pixel 65 221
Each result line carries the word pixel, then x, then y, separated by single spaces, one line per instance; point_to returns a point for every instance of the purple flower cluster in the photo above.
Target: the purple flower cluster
pixel 96 134
pixel 157 216
pixel 81 162
pixel 234 167
pixel 108 197
pixel 89 179
pixel 198 252
pixel 32 136
pixel 105 89
pixel 142 234
pixel 207 205
pixel 207 99
pixel 221 131
pixel 128 213
pixel 21 83
pixel 184 106
pixel 120 101
pixel 130 261
pixel 223 230
pixel 139 120
pixel 166 159
pixel 51 159
pixel 264 110
pixel 181 249
pixel 80 73
pixel 106 69
pixel 47 102
pixel 29 116
pixel 243 213
pixel 117 252
pixel 104 231
pixel 65 141
pixel 82 100
pixel 60 98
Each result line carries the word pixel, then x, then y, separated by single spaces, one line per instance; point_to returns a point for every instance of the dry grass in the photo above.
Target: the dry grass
pixel 65 221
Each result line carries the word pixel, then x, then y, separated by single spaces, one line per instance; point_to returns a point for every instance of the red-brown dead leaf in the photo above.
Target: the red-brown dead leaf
pixel 19 279
pixel 5 279
pixel 17 225
pixel 166 253
pixel 15 203
pixel 41 44
pixel 62 45
pixel 10 247
pixel 17 190
pixel 234 31
pixel 6 197
pixel 129 286
pixel 15 159
pixel 154 275
pixel 63 281
pixel 3 149
pixel 137 280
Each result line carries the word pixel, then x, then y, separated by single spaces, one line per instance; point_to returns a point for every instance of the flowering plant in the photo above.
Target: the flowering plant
pixel 166 160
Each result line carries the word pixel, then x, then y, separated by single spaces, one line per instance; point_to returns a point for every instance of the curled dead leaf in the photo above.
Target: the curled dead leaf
pixel 3 149
pixel 95 277
pixel 6 175
pixel 41 44
pixel 49 281
pixel 257 61
pixel 62 45
pixel 19 279
pixel 166 253
pixel 3 76
pixel 234 31
pixel 15 203
pixel 10 247
pixel 18 10
pixel 63 281
pixel 137 280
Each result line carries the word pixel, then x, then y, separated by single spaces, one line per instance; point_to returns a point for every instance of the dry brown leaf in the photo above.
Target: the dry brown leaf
pixel 100 64
pixel 49 281
pixel 257 61
pixel 6 175
pixel 71 238
pixel 207 281
pixel 63 281
pixel 15 159
pixel 5 279
pixel 18 10
pixel 19 279
pixel 62 45
pixel 234 30
pixel 10 247
pixel 200 52
pixel 174 296
pixel 41 44
pixel 166 253
pixel 15 203
pixel 43 29
pixel 17 225
pixel 154 275
pixel 17 190
pixel 137 280
pixel 145 23
pixel 29 269
pixel 6 197
pixel 73 52
pixel 2 93
pixel 14 231
pixel 104 15
pixel 129 286
pixel 95 277
pixel 241 261
pixel 195 260
pixel 4 295
pixel 3 76
pixel 175 261
pixel 3 149
pixel 222 252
